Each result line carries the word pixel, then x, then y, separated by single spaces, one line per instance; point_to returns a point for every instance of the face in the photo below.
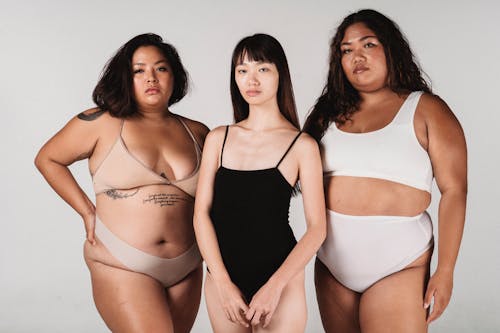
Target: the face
pixel 257 81
pixel 363 59
pixel 152 77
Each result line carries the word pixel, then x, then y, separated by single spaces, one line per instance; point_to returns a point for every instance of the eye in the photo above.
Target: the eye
pixel 264 69
pixel 139 70
pixel 241 71
pixel 370 45
pixel 163 69
pixel 345 51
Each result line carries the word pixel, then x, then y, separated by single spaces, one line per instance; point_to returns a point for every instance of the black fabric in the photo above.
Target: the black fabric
pixel 250 216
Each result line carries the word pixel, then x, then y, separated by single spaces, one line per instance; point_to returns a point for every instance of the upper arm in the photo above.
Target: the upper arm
pixel 208 169
pixel 311 180
pixel 446 144
pixel 75 141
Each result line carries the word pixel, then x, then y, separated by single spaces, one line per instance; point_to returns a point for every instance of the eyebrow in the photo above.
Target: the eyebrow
pixel 156 63
pixel 361 39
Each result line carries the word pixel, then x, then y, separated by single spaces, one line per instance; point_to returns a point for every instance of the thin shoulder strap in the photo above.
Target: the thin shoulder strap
pixel 198 147
pixel 289 147
pixel 121 126
pixel 223 144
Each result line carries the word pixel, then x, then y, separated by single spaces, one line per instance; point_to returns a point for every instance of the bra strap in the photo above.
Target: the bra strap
pixel 223 144
pixel 289 147
pixel 198 147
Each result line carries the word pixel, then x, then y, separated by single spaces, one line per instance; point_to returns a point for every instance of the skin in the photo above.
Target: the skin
pixel 279 305
pixel 163 231
pixel 399 302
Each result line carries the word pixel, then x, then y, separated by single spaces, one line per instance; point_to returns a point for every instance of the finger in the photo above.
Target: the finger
pixel 91 231
pixel 249 314
pixel 428 296
pixel 256 317
pixel 268 319
pixel 227 315
pixel 436 312
pixel 232 317
pixel 241 320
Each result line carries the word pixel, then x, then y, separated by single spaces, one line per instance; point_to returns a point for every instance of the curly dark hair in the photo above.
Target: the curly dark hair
pixel 114 91
pixel 339 100
pixel 262 47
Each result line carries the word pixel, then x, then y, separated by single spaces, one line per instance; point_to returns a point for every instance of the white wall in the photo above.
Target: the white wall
pixel 53 51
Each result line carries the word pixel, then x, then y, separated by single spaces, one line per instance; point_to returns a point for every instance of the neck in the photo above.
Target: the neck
pixel 376 97
pixel 154 114
pixel 265 116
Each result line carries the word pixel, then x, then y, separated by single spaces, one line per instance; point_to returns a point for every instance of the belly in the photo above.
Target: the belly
pixel 156 219
pixel 370 196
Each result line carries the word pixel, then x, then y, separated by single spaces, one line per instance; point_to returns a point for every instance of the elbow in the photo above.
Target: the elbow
pixel 197 220
pixel 39 160
pixel 319 232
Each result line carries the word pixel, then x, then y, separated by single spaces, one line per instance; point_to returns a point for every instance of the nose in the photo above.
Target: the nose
pixel 252 78
pixel 152 77
pixel 358 56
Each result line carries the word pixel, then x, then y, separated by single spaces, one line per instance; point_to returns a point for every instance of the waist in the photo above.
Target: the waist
pixel 372 196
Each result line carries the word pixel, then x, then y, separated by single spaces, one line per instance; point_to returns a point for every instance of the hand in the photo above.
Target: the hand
pixel 89 222
pixel 232 302
pixel 264 303
pixel 439 287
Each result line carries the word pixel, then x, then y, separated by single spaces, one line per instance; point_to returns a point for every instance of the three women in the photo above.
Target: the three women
pixel 384 137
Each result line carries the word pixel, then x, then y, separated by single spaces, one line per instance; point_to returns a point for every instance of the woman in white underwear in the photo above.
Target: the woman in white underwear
pixel 140 247
pixel 384 137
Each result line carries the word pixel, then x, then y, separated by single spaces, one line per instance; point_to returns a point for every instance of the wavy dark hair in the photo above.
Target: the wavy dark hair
pixel 115 93
pixel 339 100
pixel 265 48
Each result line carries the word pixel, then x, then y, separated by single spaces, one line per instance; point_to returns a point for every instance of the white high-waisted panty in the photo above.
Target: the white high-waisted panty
pixel 360 250
pixel 167 271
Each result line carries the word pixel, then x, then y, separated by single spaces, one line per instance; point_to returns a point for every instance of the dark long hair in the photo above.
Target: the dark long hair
pixel 339 100
pixel 262 47
pixel 114 91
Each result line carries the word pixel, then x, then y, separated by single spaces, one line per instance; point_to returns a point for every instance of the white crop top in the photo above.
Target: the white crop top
pixel 392 152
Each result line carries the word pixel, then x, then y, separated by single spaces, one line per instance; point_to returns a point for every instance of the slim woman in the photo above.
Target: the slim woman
pixel 385 136
pixel 248 173
pixel 140 248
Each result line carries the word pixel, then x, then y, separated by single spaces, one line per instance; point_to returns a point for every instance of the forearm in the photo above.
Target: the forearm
pixel 451 225
pixel 62 181
pixel 301 254
pixel 209 246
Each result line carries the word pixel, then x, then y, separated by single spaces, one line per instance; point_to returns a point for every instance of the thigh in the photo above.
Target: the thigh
pixel 220 323
pixel 291 314
pixel 338 305
pixel 129 301
pixel 396 302
pixel 184 300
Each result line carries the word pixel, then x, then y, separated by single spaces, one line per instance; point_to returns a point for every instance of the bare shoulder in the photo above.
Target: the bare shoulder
pixel 306 144
pixel 434 109
pixel 96 118
pixel 91 114
pixel 199 129
pixel 216 135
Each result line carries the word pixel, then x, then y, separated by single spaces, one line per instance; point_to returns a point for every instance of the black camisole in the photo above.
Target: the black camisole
pixel 250 216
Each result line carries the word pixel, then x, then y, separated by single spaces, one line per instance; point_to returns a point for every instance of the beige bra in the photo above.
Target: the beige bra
pixel 120 170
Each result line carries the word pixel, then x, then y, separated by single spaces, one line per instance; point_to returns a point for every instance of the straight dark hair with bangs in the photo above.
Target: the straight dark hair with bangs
pixel 339 100
pixel 115 91
pixel 265 48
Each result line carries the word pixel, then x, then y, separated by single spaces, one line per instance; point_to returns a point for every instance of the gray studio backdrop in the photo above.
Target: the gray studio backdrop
pixel 53 51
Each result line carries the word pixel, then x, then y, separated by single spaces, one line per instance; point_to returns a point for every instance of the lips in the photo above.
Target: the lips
pixel 359 69
pixel 152 91
pixel 252 93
